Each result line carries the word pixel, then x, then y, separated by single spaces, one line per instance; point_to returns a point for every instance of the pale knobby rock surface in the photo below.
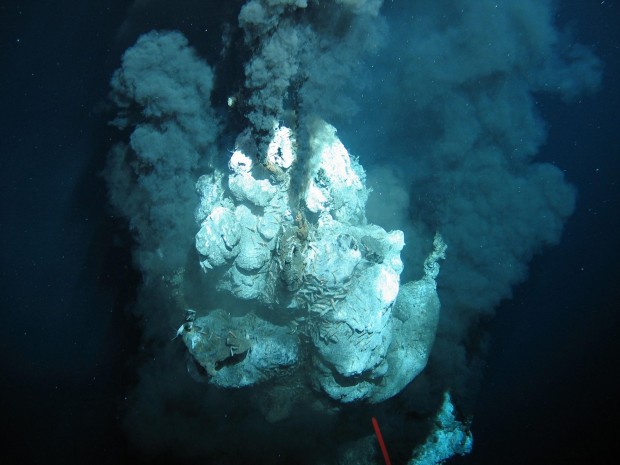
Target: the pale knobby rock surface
pixel 310 258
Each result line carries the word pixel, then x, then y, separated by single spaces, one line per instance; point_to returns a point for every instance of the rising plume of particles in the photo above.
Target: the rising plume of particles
pixel 290 271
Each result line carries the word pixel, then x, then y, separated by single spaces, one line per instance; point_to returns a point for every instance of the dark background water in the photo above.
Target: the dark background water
pixel 550 391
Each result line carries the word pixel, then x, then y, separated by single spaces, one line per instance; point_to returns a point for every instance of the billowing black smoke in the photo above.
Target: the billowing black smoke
pixel 437 98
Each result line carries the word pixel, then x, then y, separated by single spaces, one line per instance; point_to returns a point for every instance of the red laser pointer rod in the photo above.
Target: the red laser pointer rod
pixel 386 457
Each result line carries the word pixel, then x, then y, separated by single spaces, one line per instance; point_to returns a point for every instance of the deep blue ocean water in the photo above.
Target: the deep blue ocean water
pixel 68 341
